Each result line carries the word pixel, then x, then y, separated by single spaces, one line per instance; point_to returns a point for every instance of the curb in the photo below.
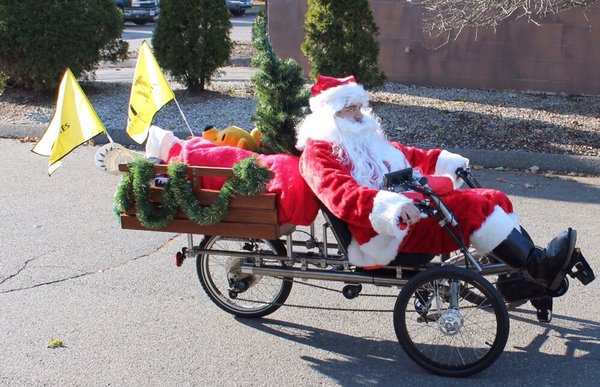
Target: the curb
pixel 234 61
pixel 486 158
pixel 525 160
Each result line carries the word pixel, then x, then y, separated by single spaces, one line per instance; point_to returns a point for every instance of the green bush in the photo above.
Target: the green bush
pixel 42 38
pixel 340 40
pixel 191 40
pixel 2 82
pixel 280 92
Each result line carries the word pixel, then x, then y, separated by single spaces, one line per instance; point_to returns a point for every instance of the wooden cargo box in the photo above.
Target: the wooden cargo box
pixel 252 216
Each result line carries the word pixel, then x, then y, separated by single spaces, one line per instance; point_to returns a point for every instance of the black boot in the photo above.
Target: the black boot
pixel 517 289
pixel 546 267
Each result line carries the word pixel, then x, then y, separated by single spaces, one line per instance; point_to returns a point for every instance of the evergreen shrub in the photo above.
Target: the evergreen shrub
pixel 191 40
pixel 280 91
pixel 40 39
pixel 2 82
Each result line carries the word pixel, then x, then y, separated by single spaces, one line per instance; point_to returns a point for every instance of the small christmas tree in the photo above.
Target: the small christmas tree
pixel 340 40
pixel 280 91
pixel 191 40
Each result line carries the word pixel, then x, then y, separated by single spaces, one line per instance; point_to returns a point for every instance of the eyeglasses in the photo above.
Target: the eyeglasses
pixel 352 109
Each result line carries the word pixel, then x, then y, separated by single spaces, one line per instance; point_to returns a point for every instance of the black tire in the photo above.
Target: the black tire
pixel 263 295
pixel 238 12
pixel 451 341
pixel 140 22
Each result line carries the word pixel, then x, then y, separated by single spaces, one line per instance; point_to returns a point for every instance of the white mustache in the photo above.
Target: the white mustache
pixel 368 124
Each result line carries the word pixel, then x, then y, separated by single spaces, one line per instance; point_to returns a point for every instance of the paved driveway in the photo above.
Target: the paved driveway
pixel 128 317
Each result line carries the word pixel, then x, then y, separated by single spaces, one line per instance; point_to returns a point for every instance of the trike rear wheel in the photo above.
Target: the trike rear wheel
pixel 240 294
pixel 442 330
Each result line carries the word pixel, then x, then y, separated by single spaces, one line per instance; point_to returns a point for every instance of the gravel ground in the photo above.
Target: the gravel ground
pixel 421 116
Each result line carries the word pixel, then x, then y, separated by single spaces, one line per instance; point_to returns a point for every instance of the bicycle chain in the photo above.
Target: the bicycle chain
pixel 339 291
pixel 333 308
pixel 324 307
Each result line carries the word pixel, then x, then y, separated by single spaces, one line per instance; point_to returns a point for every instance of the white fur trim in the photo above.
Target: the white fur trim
pixel 447 164
pixel 380 250
pixel 386 211
pixel 159 143
pixel 335 98
pixel 515 220
pixel 492 231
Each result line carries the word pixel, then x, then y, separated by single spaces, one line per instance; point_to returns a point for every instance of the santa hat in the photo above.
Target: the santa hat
pixel 334 93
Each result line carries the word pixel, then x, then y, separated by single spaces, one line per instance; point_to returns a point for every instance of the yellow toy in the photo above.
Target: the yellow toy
pixel 233 136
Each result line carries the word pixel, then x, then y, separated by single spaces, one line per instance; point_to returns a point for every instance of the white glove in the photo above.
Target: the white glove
pixel 389 208
pixel 447 164
pixel 409 213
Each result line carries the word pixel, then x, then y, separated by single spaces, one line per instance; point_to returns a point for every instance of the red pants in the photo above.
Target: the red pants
pixel 472 208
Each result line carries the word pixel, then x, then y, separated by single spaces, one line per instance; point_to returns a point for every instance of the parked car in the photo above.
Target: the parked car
pixel 138 11
pixel 238 7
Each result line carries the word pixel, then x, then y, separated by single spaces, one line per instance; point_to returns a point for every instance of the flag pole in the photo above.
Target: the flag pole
pixel 109 137
pixel 183 116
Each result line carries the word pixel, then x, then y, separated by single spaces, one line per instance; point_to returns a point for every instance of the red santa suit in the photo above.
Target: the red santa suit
pixel 485 216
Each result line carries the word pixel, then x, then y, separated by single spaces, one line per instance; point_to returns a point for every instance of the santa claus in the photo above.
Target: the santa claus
pixel 345 156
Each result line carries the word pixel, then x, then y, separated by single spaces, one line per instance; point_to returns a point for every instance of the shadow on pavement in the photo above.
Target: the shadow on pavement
pixel 371 361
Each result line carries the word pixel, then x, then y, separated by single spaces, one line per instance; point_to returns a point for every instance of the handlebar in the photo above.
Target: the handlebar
pixel 404 180
pixel 465 174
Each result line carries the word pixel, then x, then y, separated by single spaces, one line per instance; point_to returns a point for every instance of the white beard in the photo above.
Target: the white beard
pixel 365 146
pixel 361 144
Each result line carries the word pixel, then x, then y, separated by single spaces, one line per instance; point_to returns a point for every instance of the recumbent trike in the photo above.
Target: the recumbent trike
pixel 448 317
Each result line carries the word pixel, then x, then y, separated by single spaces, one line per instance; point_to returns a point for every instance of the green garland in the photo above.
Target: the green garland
pixel 249 178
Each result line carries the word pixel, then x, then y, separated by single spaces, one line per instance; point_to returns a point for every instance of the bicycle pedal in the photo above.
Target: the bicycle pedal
pixel 543 308
pixel 180 257
pixel 582 269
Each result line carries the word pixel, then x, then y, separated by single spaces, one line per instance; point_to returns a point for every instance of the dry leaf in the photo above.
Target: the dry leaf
pixel 55 343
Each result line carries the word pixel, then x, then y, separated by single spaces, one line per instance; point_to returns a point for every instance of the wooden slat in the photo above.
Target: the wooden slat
pixel 237 215
pixel 263 201
pixel 192 170
pixel 189 171
pixel 250 216
pixel 224 228
pixel 206 197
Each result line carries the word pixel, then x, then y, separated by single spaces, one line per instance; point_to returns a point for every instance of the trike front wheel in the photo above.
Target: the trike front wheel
pixel 243 295
pixel 442 330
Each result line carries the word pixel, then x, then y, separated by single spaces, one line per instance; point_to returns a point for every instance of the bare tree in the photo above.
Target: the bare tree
pixel 452 16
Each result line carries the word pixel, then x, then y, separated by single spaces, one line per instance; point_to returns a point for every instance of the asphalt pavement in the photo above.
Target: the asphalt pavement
pixel 127 316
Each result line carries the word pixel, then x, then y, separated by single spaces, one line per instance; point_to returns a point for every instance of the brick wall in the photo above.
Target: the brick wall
pixel 560 56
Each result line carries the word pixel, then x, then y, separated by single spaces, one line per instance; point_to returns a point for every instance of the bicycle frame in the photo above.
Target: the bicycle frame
pixel 329 264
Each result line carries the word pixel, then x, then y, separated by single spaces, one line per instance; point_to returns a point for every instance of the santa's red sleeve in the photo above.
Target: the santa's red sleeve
pixel 367 211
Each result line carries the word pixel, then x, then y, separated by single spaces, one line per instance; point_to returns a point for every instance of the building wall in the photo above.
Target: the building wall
pixel 561 56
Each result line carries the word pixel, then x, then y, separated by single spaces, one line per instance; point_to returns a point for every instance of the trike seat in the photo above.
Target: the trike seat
pixel 342 234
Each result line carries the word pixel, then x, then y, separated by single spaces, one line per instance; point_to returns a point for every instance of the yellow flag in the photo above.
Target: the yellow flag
pixel 74 122
pixel 150 91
